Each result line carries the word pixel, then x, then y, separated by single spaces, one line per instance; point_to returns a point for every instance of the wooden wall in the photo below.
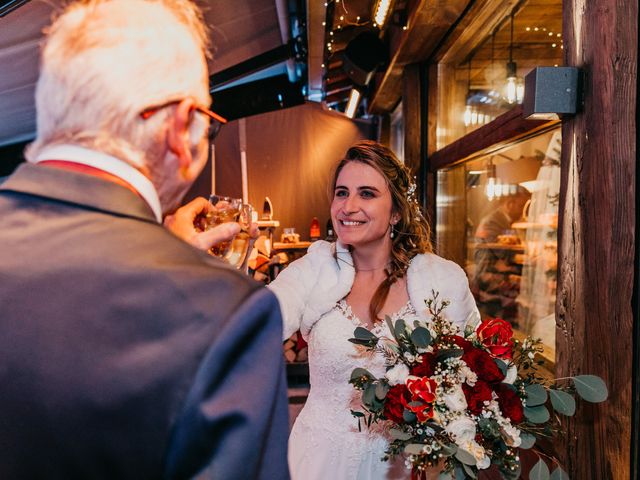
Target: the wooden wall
pixel 290 157
pixel 597 233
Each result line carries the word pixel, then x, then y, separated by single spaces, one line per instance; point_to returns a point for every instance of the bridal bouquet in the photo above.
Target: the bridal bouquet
pixel 462 401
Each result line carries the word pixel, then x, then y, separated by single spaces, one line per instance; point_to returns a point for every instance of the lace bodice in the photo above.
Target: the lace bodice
pixel 326 422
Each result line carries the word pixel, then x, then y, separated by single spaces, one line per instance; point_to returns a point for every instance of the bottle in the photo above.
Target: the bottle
pixel 331 235
pixel 314 230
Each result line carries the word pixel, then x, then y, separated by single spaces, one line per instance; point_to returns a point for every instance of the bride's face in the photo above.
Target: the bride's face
pixel 361 209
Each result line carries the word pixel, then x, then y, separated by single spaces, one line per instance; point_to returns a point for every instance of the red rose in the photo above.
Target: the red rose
pixel 483 365
pixel 397 397
pixel 510 403
pixel 423 392
pixel 497 336
pixel 425 368
pixel 458 341
pixel 477 395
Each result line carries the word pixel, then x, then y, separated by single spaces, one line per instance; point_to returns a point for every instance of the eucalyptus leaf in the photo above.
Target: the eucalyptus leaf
pixel 408 416
pixel 459 471
pixel 400 329
pixel 502 366
pixel 357 414
pixel 449 449
pixel 369 394
pixel 591 388
pixel 361 372
pixel 562 402
pixel 465 457
pixel 559 474
pixel 399 434
pixel 538 414
pixel 469 471
pixel 445 476
pixel 449 353
pixel 382 388
pixel 421 337
pixel 527 440
pixel 414 449
pixel 387 319
pixel 540 471
pixel 361 333
pixel 536 395
pixel 366 343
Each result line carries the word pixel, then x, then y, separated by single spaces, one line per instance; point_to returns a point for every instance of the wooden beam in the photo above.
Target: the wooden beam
pixel 427 25
pixel 506 128
pixel 597 231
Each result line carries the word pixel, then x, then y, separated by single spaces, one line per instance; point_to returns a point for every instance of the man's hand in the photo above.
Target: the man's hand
pixel 183 224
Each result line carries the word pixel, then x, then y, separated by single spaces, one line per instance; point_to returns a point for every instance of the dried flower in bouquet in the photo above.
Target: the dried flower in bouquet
pixel 462 401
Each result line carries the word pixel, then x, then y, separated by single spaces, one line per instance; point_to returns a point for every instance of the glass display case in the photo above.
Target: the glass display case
pixel 497 216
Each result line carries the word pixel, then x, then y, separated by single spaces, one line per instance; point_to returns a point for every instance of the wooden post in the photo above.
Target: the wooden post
pixel 597 234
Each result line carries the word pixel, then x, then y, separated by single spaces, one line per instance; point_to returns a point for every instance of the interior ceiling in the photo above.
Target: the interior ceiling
pixel 241 29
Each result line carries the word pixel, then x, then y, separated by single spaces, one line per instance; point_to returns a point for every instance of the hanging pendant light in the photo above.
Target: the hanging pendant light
pixel 512 80
pixel 467 109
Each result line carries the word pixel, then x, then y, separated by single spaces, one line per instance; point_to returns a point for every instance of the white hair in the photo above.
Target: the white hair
pixel 104 61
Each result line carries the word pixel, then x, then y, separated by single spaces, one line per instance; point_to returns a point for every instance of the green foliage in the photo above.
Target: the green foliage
pixel 465 457
pixel 528 440
pixel 362 336
pixel 591 388
pixel 562 402
pixel 559 474
pixel 538 414
pixel 536 395
pixel 421 337
pixel 540 471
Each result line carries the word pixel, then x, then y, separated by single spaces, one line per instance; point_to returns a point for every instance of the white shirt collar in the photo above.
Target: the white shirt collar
pixel 109 164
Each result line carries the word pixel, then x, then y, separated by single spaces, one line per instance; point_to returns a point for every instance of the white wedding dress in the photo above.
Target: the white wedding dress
pixel 325 443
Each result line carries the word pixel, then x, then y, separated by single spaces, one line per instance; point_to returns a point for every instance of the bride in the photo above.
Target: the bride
pixel 381 265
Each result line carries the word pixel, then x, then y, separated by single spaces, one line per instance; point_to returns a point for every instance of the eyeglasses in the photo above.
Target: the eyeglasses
pixel 215 120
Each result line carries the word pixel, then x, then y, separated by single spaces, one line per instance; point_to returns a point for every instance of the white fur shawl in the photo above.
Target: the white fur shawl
pixel 311 286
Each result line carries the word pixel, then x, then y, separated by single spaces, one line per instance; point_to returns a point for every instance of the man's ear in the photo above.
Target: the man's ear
pixel 178 137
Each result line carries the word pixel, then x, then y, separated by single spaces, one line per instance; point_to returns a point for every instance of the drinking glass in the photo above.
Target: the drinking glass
pixel 229 209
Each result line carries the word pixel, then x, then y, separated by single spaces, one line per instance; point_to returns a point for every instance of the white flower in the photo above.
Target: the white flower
pixel 478 452
pixel 409 357
pixel 462 430
pixel 398 374
pixel 512 374
pixel 455 401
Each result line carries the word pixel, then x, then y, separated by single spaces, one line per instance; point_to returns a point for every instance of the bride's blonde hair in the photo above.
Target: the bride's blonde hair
pixel 412 233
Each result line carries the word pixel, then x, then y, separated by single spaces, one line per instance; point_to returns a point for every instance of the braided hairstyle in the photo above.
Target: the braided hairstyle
pixel 412 232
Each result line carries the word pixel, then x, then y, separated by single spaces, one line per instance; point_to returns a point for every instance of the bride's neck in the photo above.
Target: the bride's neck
pixel 370 260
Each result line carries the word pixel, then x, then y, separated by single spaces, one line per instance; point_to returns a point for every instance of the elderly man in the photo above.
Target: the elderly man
pixel 124 351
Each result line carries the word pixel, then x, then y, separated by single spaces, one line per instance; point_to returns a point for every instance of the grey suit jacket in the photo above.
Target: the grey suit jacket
pixel 124 351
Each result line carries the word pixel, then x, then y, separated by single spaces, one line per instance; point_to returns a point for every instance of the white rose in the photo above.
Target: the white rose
pixel 398 374
pixel 462 430
pixel 512 374
pixel 455 401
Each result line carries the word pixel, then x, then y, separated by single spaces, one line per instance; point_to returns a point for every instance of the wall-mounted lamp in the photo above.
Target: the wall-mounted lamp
pixel 352 104
pixel 550 92
pixel 381 11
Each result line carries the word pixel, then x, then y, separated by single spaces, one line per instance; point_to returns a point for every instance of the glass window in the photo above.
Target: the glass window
pixel 482 77
pixel 497 216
